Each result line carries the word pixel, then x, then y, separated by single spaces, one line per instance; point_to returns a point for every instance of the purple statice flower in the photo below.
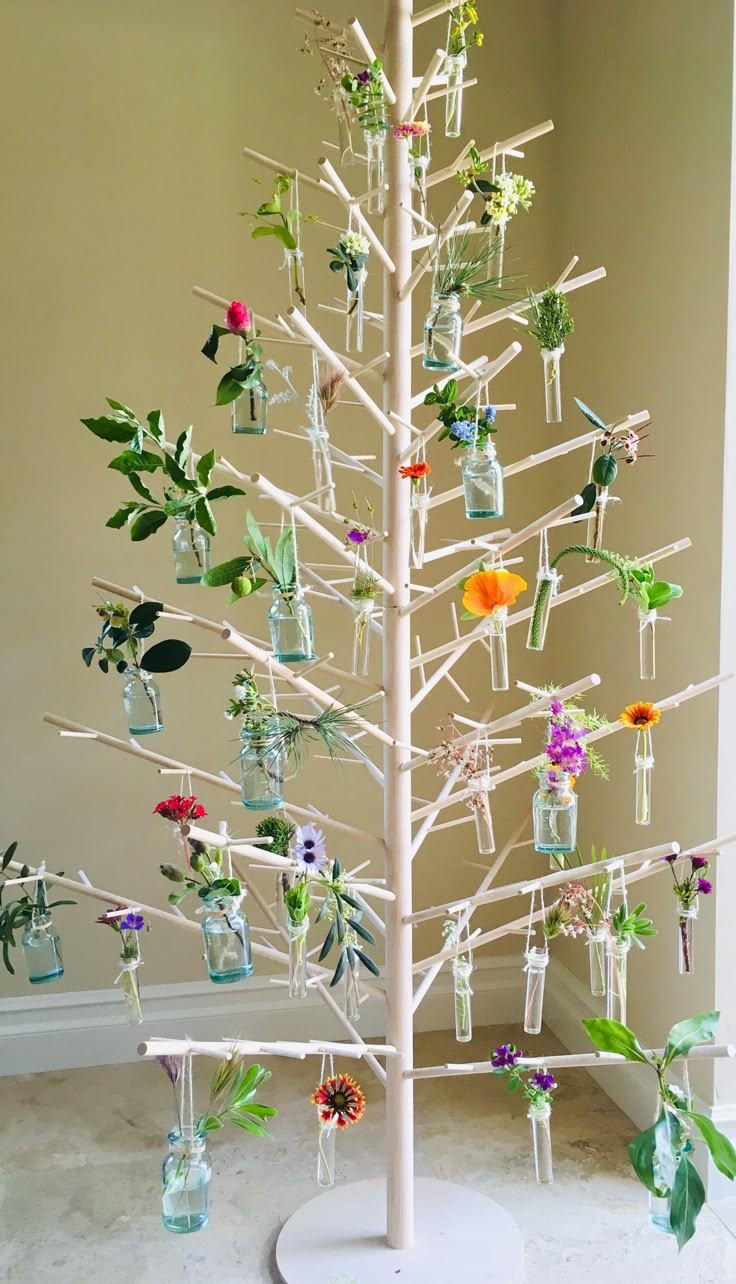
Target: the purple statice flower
pixel 556 708
pixel 698 862
pixel 489 413
pixel 671 858
pixel 564 749
pixel 545 1082
pixel 704 886
pixel 310 847
pixel 364 77
pixel 132 923
pixel 506 1056
pixel 356 535
pixel 463 430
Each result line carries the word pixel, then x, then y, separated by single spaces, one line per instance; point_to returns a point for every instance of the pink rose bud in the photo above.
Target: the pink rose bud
pixel 237 317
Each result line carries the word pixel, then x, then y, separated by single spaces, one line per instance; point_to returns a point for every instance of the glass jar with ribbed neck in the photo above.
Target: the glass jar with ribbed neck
pixel 142 702
pixel 185 1196
pixel 226 940
pixel 443 332
pixel 290 623
pixel 482 482
pixel 191 547
pixel 262 764
pixel 41 947
pixel 249 410
pixel 555 811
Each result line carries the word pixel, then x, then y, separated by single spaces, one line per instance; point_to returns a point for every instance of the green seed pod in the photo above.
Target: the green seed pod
pixel 604 470
pixel 241 586
pixel 173 872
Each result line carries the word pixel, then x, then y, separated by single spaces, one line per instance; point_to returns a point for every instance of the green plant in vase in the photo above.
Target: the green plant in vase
pixel 614 442
pixel 343 913
pixel 460 39
pixel 284 225
pixel 365 95
pixel 242 385
pixel 120 644
pixel 465 272
pixel 552 324
pixel 29 913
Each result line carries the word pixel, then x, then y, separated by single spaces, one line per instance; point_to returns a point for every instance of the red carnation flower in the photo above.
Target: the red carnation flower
pixel 180 810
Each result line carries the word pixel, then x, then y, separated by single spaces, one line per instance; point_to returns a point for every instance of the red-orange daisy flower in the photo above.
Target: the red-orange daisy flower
pixel 641 715
pixel 415 471
pixel 485 591
pixel 340 1099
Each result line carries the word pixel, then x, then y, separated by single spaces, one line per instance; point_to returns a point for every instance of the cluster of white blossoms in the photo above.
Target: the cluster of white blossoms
pixel 514 193
pixel 355 244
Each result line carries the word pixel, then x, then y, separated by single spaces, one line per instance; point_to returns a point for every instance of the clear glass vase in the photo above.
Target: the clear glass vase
pixel 617 952
pixel 142 703
pixel 555 814
pixel 326 1154
pixel 496 625
pixel 262 766
pixel 539 1117
pixel 647 645
pixel 497 240
pixel 344 127
pixel 185 1198
pixel 443 332
pixel 294 264
pixel 660 1207
pixel 191 551
pixel 547 587
pixel 363 608
pixel 290 623
pixel 480 803
pixel 130 985
pixel 249 411
pixel 552 388
pixel 597 959
pixel 462 970
pixel 686 916
pixel 455 65
pixel 644 772
pixel 374 141
pixel 322 469
pixel 351 991
pixel 419 514
pixel 298 959
pixel 483 483
pixel 355 314
pixel 598 518
pixel 41 947
pixel 537 960
pixel 226 941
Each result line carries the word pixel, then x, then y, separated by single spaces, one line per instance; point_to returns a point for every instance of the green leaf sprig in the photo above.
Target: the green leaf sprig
pixel 272 220
pixel 551 318
pixel 605 468
pixel 465 270
pixel 242 377
pixel 450 413
pixel 30 899
pixel 630 926
pixel 241 573
pixel 343 913
pixel 121 635
pixel 365 94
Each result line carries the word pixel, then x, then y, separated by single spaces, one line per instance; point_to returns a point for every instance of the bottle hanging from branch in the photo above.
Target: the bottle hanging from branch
pixel 298 959
pixel 363 613
pixel 643 771
pixel 537 960
pixel 326 1154
pixel 462 970
pixel 552 387
pixel 443 332
pixel 419 515
pixel 455 65
pixel 127 978
pixel 41 946
pixel 617 951
pixel 598 518
pixel 351 990
pixel 548 582
pixel 249 411
pixel 597 959
pixel 539 1117
pixel 497 238
pixel 185 1198
pixel 191 546
pixel 262 765
pixel 499 648
pixel 374 141
pixel 355 313
pixel 686 916
pixel 480 805
pixel 290 624
pixel 555 814
pixel 226 941
pixel 647 642
pixel 483 482
pixel 142 702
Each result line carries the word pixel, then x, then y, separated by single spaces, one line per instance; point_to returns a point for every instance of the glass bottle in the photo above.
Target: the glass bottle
pixel 597 959
pixel 375 151
pixel 497 235
pixel 443 331
pixel 191 547
pixel 363 608
pixel 539 1116
pixel 351 991
pixel 249 410
pixel 130 985
pixel 290 622
pixel 185 1198
pixel 599 516
pixel 548 581
pixel 462 970
pixel 326 1154
pixel 41 947
pixel 483 482
pixel 262 765
pixel 142 702
pixel 298 958
pixel 354 314
pixel 344 131
pixel 455 65
pixel 647 652
pixel 555 813
pixel 537 960
pixel 480 804
pixel 552 389
pixel 616 959
pixel 496 625
pixel 226 941
pixel 419 513
pixel 660 1207
pixel 322 468
pixel 686 916
pixel 644 771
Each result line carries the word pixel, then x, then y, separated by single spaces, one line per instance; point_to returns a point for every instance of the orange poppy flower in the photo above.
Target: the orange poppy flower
pixel 487 590
pixel 641 715
pixel 415 471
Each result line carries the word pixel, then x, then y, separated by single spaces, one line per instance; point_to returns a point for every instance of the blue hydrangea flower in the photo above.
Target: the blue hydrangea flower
pixel 490 414
pixel 463 430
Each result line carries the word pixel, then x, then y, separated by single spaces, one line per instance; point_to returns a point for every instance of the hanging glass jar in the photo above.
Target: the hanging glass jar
pixel 643 771
pixel 344 131
pixel 660 1207
pixel 298 958
pixel 443 332
pixel 555 814
pixel 419 514
pixel 686 916
pixel 539 1117
pixel 363 608
pixel 326 1154
pixel 617 951
pixel 598 515
pixel 191 547
pixel 537 960
pixel 496 625
pixel 355 313
pixel 548 583
pixel 497 238
pixel 127 978
pixel 483 482
pixel 647 641
pixel 462 970
pixel 226 941
pixel 41 947
pixel 455 65
pixel 374 141
pixel 597 959
pixel 185 1199
pixel 552 388
pixel 290 623
pixel 142 702
pixel 294 264
pixel 262 765
pixel 351 990
pixel 249 410
pixel 322 468
pixel 480 804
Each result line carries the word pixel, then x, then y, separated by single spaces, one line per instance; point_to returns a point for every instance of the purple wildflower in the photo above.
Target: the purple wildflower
pixel 506 1056
pixel 364 77
pixel 704 886
pixel 171 1067
pixel 698 862
pixel 310 847
pixel 132 923
pixel 556 708
pixel 545 1082
pixel 356 535
pixel 671 858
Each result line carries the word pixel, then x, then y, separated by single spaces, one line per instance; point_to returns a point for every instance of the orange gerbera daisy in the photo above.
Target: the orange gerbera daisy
pixel 487 590
pixel 641 715
pixel 340 1099
pixel 415 471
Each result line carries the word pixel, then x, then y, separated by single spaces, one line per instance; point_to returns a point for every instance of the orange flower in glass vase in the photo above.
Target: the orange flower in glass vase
pixel 486 591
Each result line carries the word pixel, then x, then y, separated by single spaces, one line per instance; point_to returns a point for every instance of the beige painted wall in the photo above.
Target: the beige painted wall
pixel 125 182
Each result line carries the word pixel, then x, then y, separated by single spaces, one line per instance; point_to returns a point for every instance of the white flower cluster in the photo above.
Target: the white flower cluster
pixel 514 193
pixel 354 244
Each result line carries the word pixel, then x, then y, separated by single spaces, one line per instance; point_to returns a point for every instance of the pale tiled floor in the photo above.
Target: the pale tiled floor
pixel 81 1151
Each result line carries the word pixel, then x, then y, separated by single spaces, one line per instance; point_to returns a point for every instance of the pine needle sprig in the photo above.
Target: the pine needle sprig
pixel 465 269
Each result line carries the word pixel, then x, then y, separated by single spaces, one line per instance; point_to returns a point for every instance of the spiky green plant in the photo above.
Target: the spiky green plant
pixel 464 271
pixel 280 830
pixel 551 317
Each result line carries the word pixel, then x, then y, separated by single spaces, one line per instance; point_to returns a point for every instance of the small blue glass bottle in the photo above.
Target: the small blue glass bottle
pixel 226 941
pixel 42 949
pixel 185 1198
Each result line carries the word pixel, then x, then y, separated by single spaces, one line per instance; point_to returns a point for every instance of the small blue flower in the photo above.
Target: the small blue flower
pixel 463 430
pixel 132 923
pixel 490 414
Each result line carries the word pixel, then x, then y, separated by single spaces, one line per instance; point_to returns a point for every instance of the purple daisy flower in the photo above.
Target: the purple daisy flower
pixel 698 862
pixel 671 858
pixel 556 708
pixel 704 886
pixel 310 847
pixel 545 1082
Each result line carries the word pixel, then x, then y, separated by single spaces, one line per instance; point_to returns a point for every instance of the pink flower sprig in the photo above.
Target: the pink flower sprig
pixel 412 129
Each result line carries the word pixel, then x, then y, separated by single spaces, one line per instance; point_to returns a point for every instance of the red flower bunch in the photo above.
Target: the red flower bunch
pixel 181 810
pixel 340 1099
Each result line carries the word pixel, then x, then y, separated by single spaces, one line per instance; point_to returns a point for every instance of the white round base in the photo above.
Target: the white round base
pixel 339 1237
